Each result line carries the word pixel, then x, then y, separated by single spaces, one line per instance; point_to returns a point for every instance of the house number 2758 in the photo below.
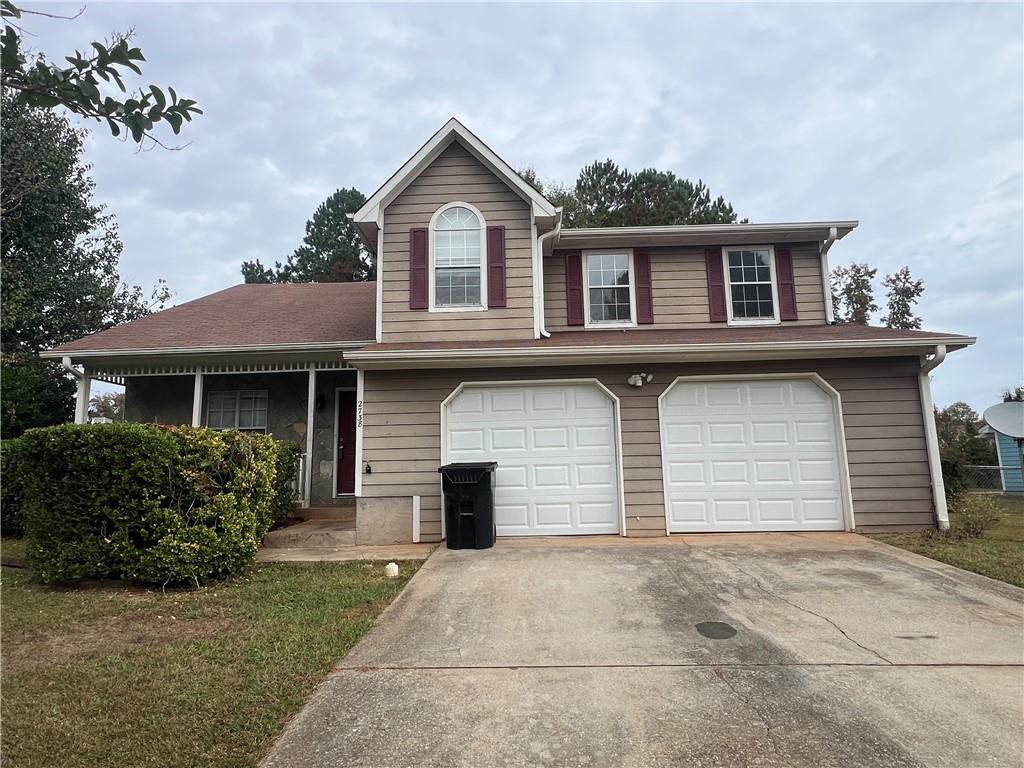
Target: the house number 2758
pixel 359 413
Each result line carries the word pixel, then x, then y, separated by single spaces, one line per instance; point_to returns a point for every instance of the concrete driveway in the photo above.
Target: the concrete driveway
pixel 596 652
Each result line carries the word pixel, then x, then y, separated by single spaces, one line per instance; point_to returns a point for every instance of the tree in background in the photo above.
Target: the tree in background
pixel 957 426
pixel 109 405
pixel 902 294
pixel 331 251
pixel 605 195
pixel 1013 395
pixel 59 266
pixel 83 88
pixel 853 295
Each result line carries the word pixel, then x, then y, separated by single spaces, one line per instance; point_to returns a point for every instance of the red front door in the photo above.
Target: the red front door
pixel 345 476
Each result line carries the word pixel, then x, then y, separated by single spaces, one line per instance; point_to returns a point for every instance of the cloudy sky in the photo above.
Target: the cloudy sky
pixel 906 117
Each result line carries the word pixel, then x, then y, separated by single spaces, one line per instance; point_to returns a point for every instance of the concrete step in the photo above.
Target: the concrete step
pixel 313 533
pixel 341 512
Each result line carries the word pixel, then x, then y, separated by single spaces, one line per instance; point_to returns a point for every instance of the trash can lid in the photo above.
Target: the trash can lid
pixel 487 466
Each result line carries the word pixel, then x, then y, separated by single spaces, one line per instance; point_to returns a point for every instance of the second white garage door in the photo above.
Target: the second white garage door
pixel 556 451
pixel 755 455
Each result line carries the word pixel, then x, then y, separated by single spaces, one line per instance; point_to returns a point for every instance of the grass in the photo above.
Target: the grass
pixel 116 676
pixel 999 554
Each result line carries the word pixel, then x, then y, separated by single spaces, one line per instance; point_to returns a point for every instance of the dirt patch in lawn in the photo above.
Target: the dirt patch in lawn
pixel 104 637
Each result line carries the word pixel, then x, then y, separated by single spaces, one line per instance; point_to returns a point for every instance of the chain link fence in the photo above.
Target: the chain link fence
pixel 981 478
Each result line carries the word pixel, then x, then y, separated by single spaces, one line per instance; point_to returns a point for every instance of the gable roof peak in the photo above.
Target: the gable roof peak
pixel 371 214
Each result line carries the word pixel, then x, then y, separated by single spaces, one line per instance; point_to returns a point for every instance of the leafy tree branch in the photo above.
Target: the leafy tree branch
pixel 85 87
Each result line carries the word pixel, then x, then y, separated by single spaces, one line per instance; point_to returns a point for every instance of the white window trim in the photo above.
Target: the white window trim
pixel 483 259
pixel 728 286
pixel 587 322
pixel 238 401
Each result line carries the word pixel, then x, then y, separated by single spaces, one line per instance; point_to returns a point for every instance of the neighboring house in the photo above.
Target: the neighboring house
pixel 636 381
pixel 1008 453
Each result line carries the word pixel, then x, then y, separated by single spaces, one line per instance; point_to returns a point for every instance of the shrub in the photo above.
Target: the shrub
pixel 971 516
pixel 11 488
pixel 953 479
pixel 287 464
pixel 141 502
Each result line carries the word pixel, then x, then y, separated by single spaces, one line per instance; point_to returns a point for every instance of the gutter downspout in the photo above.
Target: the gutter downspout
pixel 82 395
pixel 931 436
pixel 826 288
pixel 539 271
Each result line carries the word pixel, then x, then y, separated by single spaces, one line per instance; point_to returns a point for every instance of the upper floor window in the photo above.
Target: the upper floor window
pixel 245 410
pixel 459 280
pixel 752 294
pixel 610 295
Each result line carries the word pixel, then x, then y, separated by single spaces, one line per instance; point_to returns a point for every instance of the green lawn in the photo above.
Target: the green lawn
pixel 999 554
pixel 114 676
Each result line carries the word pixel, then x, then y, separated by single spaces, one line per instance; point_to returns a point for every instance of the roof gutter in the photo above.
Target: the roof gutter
pixel 538 269
pixel 929 364
pixel 826 285
pixel 626 352
pixel 326 346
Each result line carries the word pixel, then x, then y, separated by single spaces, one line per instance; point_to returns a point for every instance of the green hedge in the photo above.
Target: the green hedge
pixel 287 463
pixel 146 503
pixel 12 489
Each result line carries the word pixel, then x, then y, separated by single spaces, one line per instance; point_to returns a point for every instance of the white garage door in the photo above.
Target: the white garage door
pixel 750 456
pixel 555 448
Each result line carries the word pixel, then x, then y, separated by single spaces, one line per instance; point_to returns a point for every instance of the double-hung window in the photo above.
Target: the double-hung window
pixel 610 294
pixel 752 294
pixel 244 410
pixel 458 258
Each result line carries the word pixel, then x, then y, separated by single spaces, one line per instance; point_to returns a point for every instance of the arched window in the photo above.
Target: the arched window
pixel 457 247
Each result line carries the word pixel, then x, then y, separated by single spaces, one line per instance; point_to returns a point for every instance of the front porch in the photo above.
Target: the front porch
pixel 312 403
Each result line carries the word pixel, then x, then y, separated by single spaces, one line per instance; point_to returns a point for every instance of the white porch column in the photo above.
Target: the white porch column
pixel 310 414
pixel 82 398
pixel 197 399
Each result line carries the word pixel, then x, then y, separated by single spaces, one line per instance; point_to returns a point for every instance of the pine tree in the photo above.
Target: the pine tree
pixel 853 295
pixel 902 293
pixel 330 252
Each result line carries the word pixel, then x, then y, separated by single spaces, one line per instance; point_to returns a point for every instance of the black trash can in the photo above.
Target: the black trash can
pixel 469 504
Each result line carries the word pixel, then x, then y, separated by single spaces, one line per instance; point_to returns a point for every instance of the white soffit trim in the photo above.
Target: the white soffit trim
pixel 713 234
pixel 435 145
pixel 648 352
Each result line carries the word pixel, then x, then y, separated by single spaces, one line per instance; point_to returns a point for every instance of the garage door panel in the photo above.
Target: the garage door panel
pixel 750 455
pixel 555 447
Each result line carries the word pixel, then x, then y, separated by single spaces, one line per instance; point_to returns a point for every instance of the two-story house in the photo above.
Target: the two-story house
pixel 636 381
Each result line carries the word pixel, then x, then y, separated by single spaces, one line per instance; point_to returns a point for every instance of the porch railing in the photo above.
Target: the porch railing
pixel 988 478
pixel 299 483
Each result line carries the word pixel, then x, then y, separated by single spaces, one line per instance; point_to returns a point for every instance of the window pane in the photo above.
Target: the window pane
pixel 457 287
pixel 751 285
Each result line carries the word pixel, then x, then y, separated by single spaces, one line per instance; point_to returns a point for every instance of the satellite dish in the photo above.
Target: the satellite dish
pixel 1007 418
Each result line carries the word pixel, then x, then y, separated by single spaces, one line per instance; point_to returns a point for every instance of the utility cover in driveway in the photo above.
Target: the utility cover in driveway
pixel 751 455
pixel 555 448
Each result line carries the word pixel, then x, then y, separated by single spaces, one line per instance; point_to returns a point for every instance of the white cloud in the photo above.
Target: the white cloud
pixel 907 117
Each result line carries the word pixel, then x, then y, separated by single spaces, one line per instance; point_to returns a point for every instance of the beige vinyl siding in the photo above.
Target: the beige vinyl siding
pixel 881 406
pixel 457 176
pixel 679 288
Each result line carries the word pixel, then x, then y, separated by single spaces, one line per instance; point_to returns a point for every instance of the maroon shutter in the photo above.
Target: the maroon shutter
pixel 496 267
pixel 418 269
pixel 644 300
pixel 716 284
pixel 787 285
pixel 573 288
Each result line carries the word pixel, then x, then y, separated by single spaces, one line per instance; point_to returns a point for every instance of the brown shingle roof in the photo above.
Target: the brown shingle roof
pixel 248 316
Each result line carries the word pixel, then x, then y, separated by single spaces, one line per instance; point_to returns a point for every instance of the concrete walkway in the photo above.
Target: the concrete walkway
pixel 783 650
pixel 343 554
